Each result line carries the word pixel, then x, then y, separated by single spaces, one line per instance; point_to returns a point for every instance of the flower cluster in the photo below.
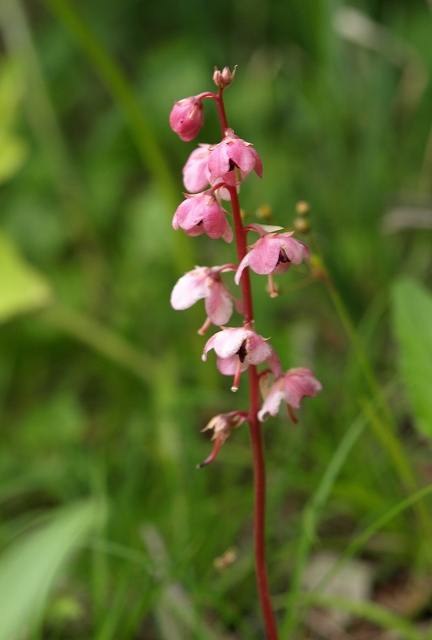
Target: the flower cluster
pixel 214 173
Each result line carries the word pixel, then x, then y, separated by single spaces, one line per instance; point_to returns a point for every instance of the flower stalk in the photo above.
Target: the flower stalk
pixel 224 167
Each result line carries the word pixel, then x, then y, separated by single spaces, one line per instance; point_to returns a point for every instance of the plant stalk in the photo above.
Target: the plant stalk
pixel 254 424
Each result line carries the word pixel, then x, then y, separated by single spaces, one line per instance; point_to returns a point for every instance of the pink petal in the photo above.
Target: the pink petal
pixel 241 154
pixel 271 403
pixel 189 213
pixel 196 175
pixel 257 348
pixel 190 288
pixel 228 342
pixel 258 163
pixel 214 221
pixel 228 233
pixel 264 255
pixel 228 366
pixel 298 383
pixel 243 264
pixel 296 251
pixel 218 304
pixel 274 363
pixel 219 161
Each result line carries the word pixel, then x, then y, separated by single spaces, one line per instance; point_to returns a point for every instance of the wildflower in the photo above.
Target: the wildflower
pixel 237 348
pixel 222 425
pixel 273 253
pixel 201 213
pixel 231 154
pixel 205 282
pixel 187 117
pixel 291 387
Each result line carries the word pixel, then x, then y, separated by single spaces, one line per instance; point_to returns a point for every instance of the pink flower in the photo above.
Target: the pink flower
pixel 203 282
pixel 294 385
pixel 273 253
pixel 201 213
pixel 187 117
pixel 196 175
pixel 232 153
pixel 237 349
pixel 222 426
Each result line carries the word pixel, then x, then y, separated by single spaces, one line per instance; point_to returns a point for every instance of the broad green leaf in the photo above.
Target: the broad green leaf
pixel 30 566
pixel 22 288
pixel 412 320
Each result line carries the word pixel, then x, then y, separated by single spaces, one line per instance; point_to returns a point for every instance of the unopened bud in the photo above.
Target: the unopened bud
pixel 301 225
pixel 223 79
pixel 302 208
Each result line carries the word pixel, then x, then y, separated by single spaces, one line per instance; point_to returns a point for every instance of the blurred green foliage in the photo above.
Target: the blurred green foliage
pixel 102 389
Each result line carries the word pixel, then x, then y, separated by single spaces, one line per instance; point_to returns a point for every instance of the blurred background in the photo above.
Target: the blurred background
pixel 102 389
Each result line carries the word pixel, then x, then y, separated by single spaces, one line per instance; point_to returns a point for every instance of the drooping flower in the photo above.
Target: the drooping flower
pixel 201 213
pixel 187 117
pixel 291 387
pixel 237 348
pixel 205 282
pixel 222 425
pixel 231 154
pixel 273 253
pixel 196 174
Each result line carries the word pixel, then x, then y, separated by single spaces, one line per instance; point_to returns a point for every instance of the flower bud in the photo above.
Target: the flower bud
pixel 187 117
pixel 223 79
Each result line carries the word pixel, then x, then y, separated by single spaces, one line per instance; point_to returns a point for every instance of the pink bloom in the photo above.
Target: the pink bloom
pixel 201 213
pixel 294 385
pixel 187 117
pixel 206 283
pixel 196 175
pixel 237 349
pixel 222 426
pixel 273 253
pixel 232 153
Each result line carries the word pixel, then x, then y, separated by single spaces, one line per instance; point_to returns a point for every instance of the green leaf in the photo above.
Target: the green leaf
pixel 22 288
pixel 30 566
pixel 412 320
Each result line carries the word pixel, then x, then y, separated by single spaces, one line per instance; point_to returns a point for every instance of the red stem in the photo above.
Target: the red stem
pixel 254 424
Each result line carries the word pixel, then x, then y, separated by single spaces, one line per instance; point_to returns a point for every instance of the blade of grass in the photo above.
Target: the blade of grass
pixel 401 464
pixel 311 515
pixel 387 429
pixel 360 540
